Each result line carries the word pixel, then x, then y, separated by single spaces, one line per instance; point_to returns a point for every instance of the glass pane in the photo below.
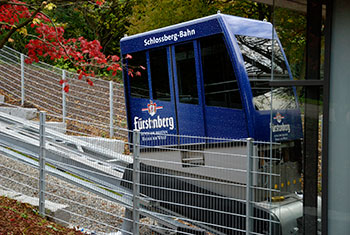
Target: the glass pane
pixel 257 54
pixel 220 84
pixel 291 27
pixel 159 74
pixel 186 73
pixel 139 80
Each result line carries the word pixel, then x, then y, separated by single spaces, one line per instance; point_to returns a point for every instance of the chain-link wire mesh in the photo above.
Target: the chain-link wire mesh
pixel 84 107
pixel 154 183
pixel 201 185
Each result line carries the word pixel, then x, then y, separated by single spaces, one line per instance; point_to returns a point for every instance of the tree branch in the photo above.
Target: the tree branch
pixel 26 22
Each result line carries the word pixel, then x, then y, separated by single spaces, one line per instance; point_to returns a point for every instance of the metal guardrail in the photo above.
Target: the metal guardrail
pixel 204 186
pixel 216 194
pixel 62 151
pixel 101 105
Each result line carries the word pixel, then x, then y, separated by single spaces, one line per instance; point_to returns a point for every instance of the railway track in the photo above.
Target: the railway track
pixel 80 163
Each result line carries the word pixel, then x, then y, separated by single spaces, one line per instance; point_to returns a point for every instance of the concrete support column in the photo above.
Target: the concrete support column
pixel 339 121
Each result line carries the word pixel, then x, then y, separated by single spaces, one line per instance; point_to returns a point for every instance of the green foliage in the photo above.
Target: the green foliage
pixel 152 14
pixel 73 21
pixel 106 24
pixel 291 29
pixel 24 215
pixel 18 42
pixel 246 9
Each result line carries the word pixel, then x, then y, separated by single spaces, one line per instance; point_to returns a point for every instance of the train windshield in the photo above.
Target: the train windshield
pixel 264 58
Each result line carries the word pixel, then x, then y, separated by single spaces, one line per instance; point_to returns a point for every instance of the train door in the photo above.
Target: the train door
pixel 187 84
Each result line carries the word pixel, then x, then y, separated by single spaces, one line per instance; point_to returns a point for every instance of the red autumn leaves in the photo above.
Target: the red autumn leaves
pixel 11 14
pixel 49 42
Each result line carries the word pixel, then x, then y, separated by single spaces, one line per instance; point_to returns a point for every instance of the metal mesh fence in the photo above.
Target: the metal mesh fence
pixel 99 110
pixel 206 185
pixel 148 183
pixel 192 185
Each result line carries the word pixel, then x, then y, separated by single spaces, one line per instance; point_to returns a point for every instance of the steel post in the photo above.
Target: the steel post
pixel 311 118
pixel 136 182
pixel 128 222
pixel 63 97
pixel 42 164
pixel 111 128
pixel 22 80
pixel 249 186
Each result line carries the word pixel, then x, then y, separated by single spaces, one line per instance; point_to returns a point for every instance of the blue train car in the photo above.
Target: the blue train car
pixel 209 77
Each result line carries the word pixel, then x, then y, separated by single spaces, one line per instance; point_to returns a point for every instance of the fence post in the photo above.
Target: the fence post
pixel 63 97
pixel 42 164
pixel 249 186
pixel 136 182
pixel 111 129
pixel 22 80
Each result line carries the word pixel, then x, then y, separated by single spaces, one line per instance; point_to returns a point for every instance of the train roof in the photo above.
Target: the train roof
pixel 191 30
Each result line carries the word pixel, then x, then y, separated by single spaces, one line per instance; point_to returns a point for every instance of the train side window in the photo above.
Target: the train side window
pixel 159 74
pixel 220 84
pixel 186 73
pixel 257 55
pixel 138 84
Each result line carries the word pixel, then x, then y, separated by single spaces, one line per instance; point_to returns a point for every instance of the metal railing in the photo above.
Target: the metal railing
pixel 37 84
pixel 202 186
pixel 205 184
pixel 154 183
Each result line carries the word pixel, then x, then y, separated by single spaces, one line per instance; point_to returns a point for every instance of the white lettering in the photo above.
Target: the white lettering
pixel 280 128
pixel 172 37
pixel 158 122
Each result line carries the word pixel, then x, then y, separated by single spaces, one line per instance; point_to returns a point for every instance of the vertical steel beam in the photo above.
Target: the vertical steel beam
pixel 22 80
pixel 64 114
pixel 311 122
pixel 136 182
pixel 325 123
pixel 249 194
pixel 111 114
pixel 42 164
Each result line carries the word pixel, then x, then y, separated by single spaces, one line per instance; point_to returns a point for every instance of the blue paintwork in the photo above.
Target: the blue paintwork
pixel 225 123
pixel 202 120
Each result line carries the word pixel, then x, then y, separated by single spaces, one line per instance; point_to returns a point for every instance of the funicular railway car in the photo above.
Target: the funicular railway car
pixel 209 77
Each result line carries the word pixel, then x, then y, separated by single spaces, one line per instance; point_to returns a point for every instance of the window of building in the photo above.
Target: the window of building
pixel 220 84
pixel 160 74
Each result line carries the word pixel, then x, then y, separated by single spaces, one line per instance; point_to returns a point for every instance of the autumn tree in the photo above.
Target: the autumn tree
pixel 107 24
pixel 31 19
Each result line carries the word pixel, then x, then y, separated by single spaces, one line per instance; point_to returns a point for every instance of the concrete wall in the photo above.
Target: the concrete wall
pixel 339 125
